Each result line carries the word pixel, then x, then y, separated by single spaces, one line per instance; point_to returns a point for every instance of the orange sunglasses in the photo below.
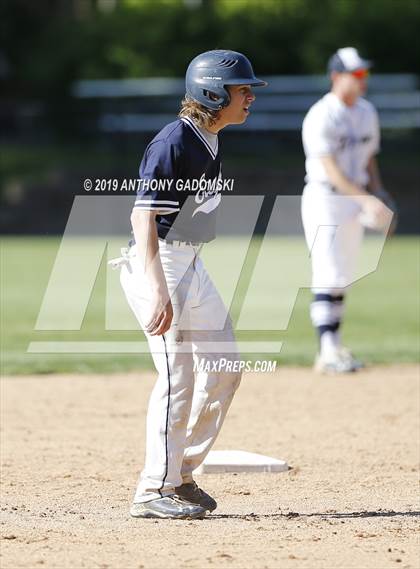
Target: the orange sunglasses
pixel 360 73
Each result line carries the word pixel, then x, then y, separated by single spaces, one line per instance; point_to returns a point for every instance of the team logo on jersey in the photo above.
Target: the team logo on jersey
pixel 208 195
pixel 351 141
pixel 208 205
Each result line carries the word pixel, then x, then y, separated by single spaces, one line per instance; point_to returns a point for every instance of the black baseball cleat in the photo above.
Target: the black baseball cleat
pixel 191 492
pixel 168 507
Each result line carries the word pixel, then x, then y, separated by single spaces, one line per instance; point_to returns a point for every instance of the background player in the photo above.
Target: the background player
pixel 340 138
pixel 172 295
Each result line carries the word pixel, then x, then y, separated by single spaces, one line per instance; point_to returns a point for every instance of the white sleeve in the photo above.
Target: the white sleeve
pixel 318 134
pixel 376 130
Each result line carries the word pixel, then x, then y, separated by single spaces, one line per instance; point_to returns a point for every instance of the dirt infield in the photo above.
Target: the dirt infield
pixel 72 447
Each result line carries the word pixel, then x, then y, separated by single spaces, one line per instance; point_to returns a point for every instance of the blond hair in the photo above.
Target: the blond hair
pixel 201 115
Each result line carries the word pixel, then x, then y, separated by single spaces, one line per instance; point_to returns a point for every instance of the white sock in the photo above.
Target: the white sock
pixel 330 341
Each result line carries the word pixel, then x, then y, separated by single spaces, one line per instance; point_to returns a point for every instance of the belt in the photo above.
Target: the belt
pixel 333 189
pixel 177 243
pixel 128 252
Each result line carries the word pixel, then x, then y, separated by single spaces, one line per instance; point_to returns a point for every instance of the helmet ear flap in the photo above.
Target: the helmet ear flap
pixel 226 100
pixel 217 100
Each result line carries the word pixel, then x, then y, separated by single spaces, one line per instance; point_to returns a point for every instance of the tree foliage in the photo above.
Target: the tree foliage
pixel 49 43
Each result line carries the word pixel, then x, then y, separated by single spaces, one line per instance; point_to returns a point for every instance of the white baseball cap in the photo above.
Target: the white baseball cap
pixel 347 59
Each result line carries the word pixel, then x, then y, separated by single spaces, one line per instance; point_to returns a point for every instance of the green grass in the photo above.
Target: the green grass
pixel 381 324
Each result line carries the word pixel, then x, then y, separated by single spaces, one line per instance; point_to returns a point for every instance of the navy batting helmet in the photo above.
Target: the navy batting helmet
pixel 209 72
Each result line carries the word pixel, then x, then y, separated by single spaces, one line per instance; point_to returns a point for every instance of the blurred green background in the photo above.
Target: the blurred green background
pixel 55 131
pixel 52 137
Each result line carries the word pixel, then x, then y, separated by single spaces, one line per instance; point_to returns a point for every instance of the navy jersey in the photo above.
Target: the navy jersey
pixel 180 179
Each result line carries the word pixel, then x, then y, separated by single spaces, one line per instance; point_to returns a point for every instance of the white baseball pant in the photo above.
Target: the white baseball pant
pixel 186 409
pixel 334 235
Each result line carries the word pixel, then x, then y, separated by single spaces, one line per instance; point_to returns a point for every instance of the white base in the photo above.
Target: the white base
pixel 239 461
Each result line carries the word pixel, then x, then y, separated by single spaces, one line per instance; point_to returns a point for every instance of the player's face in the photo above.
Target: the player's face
pixel 352 85
pixel 241 98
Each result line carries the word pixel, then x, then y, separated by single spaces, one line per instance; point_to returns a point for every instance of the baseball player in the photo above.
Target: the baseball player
pixel 340 138
pixel 170 292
